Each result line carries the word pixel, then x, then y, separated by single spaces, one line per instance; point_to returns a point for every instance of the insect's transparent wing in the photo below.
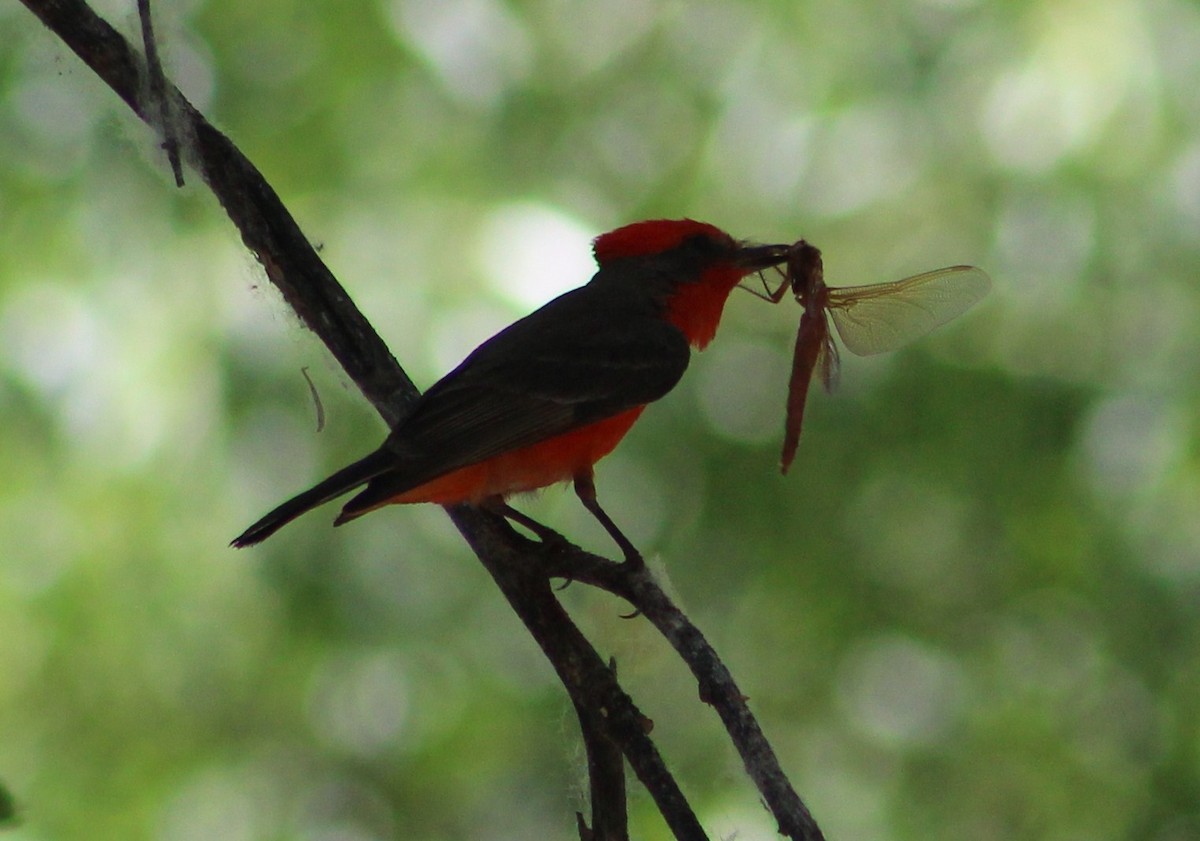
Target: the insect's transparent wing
pixel 883 317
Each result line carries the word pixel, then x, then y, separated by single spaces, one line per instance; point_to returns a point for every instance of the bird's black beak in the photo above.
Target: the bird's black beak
pixel 755 258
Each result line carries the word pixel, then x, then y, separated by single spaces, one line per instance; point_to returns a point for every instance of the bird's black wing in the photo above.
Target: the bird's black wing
pixel 580 359
pixel 588 355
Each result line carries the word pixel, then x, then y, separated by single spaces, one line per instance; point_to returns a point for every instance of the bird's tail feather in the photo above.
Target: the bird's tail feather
pixel 343 481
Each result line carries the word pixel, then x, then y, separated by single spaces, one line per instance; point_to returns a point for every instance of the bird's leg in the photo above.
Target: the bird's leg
pixel 544 533
pixel 585 489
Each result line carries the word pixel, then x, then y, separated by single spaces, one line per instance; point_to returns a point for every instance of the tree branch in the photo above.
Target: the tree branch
pixel 521 568
pixel 517 570
pixel 717 686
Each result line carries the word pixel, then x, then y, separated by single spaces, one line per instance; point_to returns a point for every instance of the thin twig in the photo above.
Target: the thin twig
pixel 158 91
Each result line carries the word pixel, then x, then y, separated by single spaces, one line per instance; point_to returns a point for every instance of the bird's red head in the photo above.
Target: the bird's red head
pixel 654 236
pixel 701 289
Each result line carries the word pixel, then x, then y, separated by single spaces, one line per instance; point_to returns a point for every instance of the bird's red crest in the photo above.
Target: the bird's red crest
pixel 651 237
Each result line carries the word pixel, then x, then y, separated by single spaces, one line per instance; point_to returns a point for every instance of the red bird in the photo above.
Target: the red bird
pixel 547 397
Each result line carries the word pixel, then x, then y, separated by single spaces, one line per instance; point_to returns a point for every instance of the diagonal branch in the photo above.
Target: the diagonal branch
pixel 524 582
pixel 520 568
pixel 267 228
pixel 717 686
pixel 308 286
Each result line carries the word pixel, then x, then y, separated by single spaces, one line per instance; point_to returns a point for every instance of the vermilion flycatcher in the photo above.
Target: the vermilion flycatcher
pixel 547 397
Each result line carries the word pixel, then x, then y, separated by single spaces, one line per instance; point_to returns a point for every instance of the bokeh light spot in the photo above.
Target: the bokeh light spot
pixel 478 48
pixel 531 253
pixel 742 388
pixel 358 701
pixel 901 692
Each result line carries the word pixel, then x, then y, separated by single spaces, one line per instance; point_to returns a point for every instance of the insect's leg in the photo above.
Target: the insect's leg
pixel 768 294
pixel 786 282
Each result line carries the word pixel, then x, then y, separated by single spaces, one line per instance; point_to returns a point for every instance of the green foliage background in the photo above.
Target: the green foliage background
pixel 969 612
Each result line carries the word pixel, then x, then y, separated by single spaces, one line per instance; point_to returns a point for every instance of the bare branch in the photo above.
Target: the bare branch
pixel 717 686
pixel 521 576
pixel 521 568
